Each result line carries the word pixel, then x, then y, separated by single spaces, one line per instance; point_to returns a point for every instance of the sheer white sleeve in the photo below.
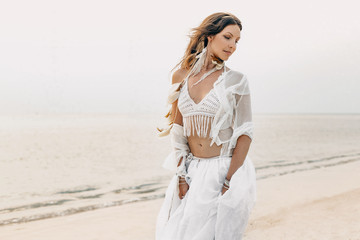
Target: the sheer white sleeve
pixel 242 116
pixel 180 149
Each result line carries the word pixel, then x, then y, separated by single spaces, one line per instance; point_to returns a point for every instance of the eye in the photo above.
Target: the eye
pixel 226 37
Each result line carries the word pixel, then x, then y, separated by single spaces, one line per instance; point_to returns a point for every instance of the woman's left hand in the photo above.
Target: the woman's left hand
pixel 223 190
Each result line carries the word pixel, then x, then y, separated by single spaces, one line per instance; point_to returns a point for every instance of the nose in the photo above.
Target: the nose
pixel 232 46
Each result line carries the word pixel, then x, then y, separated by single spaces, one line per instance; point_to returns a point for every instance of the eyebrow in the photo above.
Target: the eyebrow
pixel 231 34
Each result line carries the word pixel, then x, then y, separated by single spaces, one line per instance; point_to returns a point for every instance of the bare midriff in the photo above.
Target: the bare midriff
pixel 200 147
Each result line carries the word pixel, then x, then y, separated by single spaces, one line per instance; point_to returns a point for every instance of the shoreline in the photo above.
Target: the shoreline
pixel 320 203
pixel 94 199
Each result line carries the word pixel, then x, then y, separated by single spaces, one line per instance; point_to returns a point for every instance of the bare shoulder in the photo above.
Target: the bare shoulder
pixel 179 75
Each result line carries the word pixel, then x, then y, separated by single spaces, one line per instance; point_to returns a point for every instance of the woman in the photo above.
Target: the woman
pixel 214 188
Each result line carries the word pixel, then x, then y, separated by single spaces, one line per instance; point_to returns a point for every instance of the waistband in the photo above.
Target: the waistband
pixel 190 157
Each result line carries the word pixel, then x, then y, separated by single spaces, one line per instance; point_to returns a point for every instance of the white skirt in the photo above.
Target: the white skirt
pixel 204 213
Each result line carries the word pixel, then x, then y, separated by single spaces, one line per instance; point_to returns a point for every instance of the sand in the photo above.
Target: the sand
pixel 316 204
pixel 52 163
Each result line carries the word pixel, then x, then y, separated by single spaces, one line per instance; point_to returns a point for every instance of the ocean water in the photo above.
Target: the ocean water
pixel 56 165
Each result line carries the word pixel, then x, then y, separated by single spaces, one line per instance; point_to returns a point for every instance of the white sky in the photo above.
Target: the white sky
pixel 71 56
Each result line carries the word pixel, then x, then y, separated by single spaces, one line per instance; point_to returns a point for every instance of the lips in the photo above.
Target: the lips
pixel 227 52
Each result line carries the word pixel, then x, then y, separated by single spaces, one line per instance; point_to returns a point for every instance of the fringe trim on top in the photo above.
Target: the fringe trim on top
pixel 198 124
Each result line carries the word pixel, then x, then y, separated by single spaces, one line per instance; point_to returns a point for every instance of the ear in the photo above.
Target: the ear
pixel 210 38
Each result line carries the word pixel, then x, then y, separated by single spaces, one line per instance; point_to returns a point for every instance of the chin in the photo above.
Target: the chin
pixel 225 58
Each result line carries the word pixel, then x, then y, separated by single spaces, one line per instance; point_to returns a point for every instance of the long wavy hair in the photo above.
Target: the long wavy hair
pixel 210 26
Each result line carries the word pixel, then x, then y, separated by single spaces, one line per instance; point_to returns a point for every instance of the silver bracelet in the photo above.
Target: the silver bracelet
pixel 225 186
pixel 227 182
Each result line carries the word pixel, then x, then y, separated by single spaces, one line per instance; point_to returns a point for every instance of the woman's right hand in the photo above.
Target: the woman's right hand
pixel 183 188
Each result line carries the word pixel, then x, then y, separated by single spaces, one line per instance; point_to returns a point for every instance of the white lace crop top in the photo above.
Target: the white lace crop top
pixel 224 114
pixel 197 117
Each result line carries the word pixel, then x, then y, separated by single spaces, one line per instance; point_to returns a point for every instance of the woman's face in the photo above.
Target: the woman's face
pixel 223 44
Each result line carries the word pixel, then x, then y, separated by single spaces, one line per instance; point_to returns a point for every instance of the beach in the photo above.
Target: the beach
pixel 324 206
pixel 308 181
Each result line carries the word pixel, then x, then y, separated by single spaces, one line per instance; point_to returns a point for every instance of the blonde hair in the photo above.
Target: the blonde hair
pixel 210 26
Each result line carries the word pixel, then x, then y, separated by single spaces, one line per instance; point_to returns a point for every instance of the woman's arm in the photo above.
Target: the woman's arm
pixel 239 154
pixel 242 128
pixel 238 157
pixel 176 116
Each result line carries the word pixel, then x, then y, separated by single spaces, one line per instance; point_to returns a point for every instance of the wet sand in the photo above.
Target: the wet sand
pixel 320 203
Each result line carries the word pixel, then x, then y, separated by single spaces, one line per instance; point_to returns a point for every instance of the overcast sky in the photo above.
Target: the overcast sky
pixel 74 56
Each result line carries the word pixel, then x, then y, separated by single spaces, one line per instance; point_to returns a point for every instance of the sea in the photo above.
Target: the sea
pixel 57 165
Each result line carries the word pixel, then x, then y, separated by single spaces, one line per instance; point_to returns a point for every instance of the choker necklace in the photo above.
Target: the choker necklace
pixel 217 64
